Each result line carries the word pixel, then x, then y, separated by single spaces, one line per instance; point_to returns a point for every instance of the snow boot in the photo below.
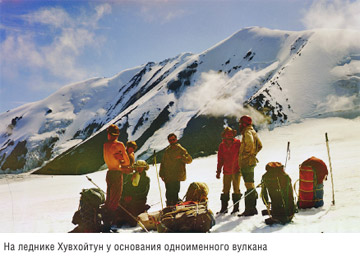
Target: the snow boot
pixel 236 198
pixel 271 221
pixel 250 203
pixel 265 212
pixel 224 203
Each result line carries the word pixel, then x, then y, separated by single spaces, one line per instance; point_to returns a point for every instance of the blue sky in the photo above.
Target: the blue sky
pixel 45 45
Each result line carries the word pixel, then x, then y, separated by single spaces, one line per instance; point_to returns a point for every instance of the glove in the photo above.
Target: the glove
pixel 218 175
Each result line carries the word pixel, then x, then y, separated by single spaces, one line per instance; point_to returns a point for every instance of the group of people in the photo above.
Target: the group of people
pixel 128 184
pixel 237 159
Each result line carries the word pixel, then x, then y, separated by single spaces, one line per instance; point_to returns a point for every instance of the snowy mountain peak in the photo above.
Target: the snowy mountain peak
pixel 276 76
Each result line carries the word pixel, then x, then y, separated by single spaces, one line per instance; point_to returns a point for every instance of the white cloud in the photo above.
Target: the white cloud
pixel 173 15
pixel 102 10
pixel 333 14
pixel 59 56
pixel 338 103
pixel 56 17
pixel 222 95
pixel 160 11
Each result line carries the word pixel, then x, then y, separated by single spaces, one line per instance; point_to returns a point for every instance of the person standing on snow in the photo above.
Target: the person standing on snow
pixel 250 146
pixel 115 157
pixel 228 162
pixel 172 169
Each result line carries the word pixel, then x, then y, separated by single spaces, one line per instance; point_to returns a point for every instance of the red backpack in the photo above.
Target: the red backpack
pixel 312 173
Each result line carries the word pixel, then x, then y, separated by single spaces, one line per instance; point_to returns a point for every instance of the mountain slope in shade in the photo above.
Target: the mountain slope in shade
pixel 277 77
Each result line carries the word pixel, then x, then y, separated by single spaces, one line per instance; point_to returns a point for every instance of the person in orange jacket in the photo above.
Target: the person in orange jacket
pixel 228 164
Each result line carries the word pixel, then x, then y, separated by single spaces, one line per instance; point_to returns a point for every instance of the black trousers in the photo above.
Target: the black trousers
pixel 172 192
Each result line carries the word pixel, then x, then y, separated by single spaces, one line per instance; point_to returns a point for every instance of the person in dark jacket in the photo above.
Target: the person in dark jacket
pixel 172 169
pixel 277 184
pixel 228 164
pixel 135 190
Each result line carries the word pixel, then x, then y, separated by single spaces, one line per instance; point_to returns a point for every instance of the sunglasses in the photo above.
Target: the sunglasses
pixel 172 140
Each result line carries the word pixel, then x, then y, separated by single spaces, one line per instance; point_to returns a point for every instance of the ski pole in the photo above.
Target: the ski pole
pixel 157 175
pixel 265 202
pixel 89 179
pixel 287 154
pixel 122 207
pixel 332 181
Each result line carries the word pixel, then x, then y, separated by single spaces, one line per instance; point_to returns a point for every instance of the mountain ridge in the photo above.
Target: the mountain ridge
pixel 276 76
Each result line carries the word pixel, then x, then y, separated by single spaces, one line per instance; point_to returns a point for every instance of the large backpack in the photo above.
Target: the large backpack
pixel 186 217
pixel 197 191
pixel 192 215
pixel 88 215
pixel 312 172
pixel 93 197
pixel 277 184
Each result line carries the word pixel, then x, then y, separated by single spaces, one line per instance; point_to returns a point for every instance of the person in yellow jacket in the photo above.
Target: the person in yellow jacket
pixel 250 146
pixel 172 169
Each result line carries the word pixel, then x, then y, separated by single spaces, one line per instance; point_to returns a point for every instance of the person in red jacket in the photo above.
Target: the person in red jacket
pixel 228 163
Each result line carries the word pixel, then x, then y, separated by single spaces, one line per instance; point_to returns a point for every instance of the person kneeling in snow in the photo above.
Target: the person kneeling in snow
pixel 277 184
pixel 135 190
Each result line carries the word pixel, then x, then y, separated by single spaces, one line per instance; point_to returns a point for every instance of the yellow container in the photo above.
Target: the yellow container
pixel 135 179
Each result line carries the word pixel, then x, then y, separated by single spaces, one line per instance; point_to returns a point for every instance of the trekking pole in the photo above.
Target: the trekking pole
pixel 266 203
pixel 122 207
pixel 157 175
pixel 332 181
pixel 287 154
pixel 89 179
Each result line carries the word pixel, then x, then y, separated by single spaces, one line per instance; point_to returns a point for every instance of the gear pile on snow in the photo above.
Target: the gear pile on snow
pixel 192 215
pixel 188 216
pixel 312 173
pixel 276 184
pixel 88 217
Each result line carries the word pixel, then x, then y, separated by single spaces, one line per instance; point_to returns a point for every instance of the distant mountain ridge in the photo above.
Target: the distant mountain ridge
pixel 278 77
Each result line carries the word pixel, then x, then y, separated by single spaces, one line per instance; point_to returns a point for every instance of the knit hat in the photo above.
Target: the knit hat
pixel 245 120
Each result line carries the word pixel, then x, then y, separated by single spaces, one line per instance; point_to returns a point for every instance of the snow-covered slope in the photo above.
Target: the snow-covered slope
pixel 50 201
pixel 276 76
